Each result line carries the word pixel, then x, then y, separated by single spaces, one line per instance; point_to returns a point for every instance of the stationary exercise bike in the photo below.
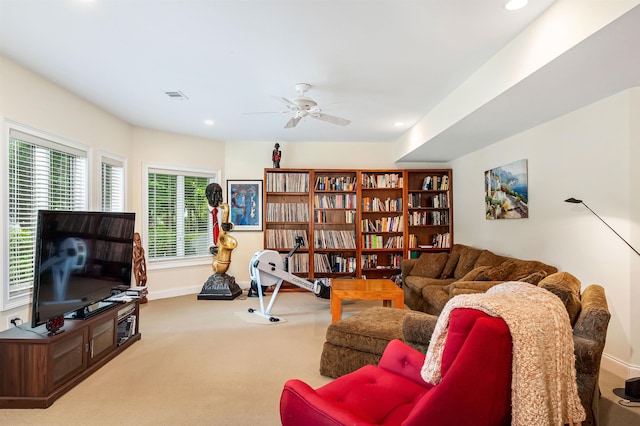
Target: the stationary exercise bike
pixel 267 268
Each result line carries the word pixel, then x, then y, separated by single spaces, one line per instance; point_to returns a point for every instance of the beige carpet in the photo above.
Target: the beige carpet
pixel 200 364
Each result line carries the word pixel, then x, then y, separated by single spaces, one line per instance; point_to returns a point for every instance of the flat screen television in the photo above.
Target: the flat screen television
pixel 80 257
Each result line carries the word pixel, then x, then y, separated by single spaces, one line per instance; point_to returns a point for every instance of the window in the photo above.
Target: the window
pixel 43 173
pixel 178 221
pixel 111 184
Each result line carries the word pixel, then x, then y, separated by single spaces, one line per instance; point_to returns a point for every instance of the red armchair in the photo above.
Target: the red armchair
pixel 475 388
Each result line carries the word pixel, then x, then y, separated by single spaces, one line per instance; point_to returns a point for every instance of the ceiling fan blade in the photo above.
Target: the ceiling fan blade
pixel 331 118
pixel 293 122
pixel 268 112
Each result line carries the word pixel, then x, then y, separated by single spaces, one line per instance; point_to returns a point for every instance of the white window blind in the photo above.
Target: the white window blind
pixel 112 185
pixel 42 175
pixel 178 219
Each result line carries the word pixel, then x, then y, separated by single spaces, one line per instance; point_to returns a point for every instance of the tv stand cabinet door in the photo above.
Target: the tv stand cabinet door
pixel 102 338
pixel 67 358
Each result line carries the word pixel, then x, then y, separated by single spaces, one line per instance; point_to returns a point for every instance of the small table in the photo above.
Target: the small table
pixel 385 290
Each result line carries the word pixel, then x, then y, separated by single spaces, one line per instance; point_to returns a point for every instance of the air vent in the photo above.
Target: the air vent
pixel 176 94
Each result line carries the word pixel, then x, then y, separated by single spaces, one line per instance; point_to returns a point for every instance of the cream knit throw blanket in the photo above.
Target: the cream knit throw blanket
pixel 543 384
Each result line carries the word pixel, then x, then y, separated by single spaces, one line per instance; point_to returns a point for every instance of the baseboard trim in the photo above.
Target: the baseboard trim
pixel 183 291
pixel 619 367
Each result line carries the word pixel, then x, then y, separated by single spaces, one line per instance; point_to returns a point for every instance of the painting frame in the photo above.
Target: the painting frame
pixel 506 191
pixel 245 199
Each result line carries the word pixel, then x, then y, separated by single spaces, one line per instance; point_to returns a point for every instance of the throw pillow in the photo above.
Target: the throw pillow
pixel 533 278
pixel 567 288
pixel 468 257
pixel 430 265
pixel 497 273
pixel 447 272
pixel 473 274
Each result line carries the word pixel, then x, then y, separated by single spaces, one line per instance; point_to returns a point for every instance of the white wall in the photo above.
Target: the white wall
pixel 172 150
pixel 587 155
pixel 32 101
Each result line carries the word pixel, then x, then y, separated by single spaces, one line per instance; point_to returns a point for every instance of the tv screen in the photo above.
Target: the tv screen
pixel 80 257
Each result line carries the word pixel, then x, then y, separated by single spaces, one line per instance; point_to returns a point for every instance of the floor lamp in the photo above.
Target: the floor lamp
pixel 576 201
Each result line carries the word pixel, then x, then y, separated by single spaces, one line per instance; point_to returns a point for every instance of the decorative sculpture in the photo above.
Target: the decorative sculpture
pixel 220 285
pixel 276 155
pixel 139 264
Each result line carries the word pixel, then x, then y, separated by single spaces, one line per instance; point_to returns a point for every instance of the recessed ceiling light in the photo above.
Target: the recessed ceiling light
pixel 398 124
pixel 209 122
pixel 515 4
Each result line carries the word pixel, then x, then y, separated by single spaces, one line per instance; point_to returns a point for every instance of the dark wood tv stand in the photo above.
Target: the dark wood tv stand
pixel 37 369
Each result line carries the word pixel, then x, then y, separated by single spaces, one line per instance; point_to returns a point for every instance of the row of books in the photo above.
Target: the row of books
pixel 298 263
pixel 287 212
pixel 435 183
pixel 334 263
pixel 370 261
pixel 442 240
pixel 434 201
pixel 429 218
pixel 338 239
pixel 335 183
pixel 374 241
pixel 383 224
pixel 335 201
pixel 285 238
pixel 377 205
pixel 287 182
pixel 322 216
pixel 386 180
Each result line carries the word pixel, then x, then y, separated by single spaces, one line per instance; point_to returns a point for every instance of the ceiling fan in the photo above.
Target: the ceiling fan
pixel 303 106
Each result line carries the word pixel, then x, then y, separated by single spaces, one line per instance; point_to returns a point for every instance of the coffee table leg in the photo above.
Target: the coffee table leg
pixel 386 303
pixel 336 308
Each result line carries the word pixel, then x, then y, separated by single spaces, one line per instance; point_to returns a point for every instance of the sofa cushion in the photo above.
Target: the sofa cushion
pixel 498 273
pixel 468 257
pixel 430 265
pixel 473 274
pixel 488 258
pixel 567 288
pixel 416 283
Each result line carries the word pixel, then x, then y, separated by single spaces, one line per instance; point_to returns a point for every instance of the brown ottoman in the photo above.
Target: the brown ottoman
pixel 360 340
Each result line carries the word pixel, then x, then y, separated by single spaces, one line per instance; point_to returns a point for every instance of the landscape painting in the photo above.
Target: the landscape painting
pixel 506 191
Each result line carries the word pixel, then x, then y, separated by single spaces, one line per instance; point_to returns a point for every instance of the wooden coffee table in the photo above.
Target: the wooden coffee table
pixel 385 290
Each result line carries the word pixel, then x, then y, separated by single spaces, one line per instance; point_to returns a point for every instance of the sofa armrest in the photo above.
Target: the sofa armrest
pixel 406 266
pixel 594 316
pixel 417 328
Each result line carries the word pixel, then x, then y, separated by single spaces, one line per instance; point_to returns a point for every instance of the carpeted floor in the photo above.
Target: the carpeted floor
pixel 200 363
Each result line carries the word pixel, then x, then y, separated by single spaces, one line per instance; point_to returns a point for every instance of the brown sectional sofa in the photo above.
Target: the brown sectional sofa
pixel 434 278
pixel 360 339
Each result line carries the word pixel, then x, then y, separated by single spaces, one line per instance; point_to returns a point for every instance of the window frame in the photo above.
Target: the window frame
pixel 116 161
pixel 147 168
pixel 24 296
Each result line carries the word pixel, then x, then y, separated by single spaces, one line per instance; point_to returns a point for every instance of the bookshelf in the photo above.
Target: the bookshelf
pixel 356 223
pixel 335 208
pixel 429 211
pixel 382 222
pixel 287 201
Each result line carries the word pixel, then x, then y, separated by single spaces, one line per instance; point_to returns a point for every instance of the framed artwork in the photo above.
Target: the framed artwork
pixel 245 204
pixel 507 191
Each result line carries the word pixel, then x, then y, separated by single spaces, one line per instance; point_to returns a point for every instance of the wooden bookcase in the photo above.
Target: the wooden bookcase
pixel 429 211
pixel 335 209
pixel 382 222
pixel 37 369
pixel 356 223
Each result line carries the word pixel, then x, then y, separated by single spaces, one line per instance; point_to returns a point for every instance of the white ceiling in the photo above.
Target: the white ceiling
pixel 374 62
